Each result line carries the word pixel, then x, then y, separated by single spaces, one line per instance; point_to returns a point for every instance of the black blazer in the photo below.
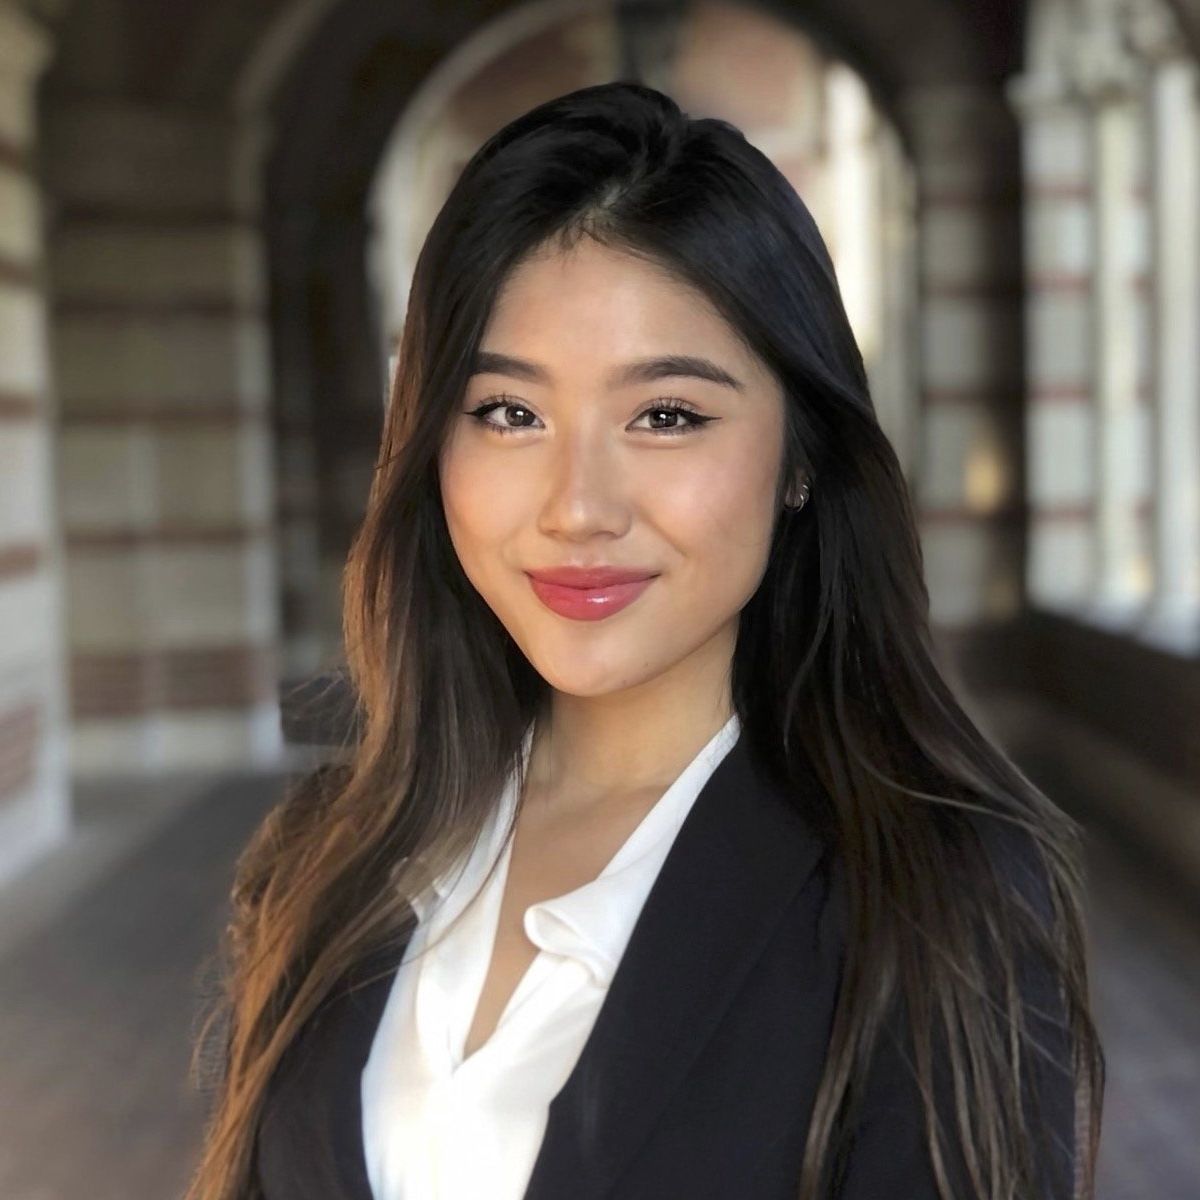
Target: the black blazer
pixel 698 1078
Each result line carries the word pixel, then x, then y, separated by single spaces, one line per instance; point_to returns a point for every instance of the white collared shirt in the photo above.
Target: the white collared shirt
pixel 438 1128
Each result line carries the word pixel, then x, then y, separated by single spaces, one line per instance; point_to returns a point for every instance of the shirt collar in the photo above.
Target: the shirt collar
pixel 593 922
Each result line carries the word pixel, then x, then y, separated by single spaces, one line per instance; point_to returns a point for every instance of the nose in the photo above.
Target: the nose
pixel 586 490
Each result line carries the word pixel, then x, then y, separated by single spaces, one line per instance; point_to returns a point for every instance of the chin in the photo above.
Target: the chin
pixel 590 679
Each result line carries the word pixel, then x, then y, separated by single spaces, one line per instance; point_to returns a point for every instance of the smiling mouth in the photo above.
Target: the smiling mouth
pixel 588 603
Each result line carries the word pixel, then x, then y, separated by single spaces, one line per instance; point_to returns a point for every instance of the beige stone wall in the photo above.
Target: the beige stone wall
pixel 165 455
pixel 34 804
pixel 969 361
pixel 1111 149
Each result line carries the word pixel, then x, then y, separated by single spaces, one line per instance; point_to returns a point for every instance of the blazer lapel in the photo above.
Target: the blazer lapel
pixel 741 855
pixel 310 1144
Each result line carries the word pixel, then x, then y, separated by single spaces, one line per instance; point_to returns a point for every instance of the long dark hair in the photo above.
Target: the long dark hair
pixel 834 675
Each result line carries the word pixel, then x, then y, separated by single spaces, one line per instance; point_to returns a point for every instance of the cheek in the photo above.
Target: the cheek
pixel 720 513
pixel 476 500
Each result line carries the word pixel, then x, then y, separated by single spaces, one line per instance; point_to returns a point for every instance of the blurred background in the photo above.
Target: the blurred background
pixel 209 215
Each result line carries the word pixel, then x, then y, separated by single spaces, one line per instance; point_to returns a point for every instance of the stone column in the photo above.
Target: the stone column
pixel 1173 138
pixel 968 265
pixel 868 223
pixel 893 383
pixel 166 451
pixel 1059 416
pixel 1108 79
pixel 34 791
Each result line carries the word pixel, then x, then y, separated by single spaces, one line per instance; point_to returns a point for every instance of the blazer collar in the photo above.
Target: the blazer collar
pixel 741 855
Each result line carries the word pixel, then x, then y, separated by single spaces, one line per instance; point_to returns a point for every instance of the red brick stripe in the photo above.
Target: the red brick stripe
pixel 17 407
pixel 136 683
pixel 1080 192
pixel 983 395
pixel 15 158
pixel 24 275
pixel 166 535
pixel 19 560
pixel 1063 513
pixel 20 728
pixel 1065 393
pixel 973 289
pixel 224 307
pixel 970 197
pixel 222 413
pixel 960 514
pixel 1049 281
pixel 145 217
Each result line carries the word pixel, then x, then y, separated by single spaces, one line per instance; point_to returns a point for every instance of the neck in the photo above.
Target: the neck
pixel 587 749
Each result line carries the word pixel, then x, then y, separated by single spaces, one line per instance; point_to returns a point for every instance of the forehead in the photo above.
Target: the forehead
pixel 599 298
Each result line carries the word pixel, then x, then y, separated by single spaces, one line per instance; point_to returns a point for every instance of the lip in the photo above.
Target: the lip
pixel 589 577
pixel 592 593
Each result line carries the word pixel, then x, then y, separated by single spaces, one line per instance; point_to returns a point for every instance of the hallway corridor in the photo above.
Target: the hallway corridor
pixel 225 389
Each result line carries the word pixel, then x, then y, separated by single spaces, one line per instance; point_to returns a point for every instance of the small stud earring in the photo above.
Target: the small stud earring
pixel 803 499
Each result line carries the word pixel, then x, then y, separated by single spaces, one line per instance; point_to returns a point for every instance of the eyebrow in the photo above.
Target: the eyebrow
pixel 642 370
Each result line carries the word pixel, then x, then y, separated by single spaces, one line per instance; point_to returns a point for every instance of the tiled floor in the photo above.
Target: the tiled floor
pixel 97 1000
pixel 1146 983
pixel 96 1007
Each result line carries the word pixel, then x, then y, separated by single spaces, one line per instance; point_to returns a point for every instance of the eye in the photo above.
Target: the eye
pixel 511 403
pixel 677 408
pixel 666 404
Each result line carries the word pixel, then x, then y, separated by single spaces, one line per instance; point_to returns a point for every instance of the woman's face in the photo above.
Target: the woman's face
pixel 575 465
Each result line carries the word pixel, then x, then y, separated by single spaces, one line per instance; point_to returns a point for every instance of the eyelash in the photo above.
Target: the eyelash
pixel 664 404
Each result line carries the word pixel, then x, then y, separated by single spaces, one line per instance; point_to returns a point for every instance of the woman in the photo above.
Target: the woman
pixel 702 882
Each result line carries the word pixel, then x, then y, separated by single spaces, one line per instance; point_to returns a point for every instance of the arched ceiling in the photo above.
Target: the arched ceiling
pixel 346 68
pixel 365 60
pixel 192 51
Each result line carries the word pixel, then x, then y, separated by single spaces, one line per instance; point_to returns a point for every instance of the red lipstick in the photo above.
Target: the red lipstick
pixel 588 593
